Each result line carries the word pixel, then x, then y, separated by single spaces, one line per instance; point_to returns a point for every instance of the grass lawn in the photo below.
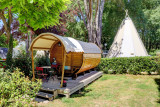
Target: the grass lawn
pixel 115 91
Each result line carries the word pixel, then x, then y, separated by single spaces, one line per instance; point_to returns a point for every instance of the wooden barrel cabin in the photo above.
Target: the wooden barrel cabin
pixel 72 56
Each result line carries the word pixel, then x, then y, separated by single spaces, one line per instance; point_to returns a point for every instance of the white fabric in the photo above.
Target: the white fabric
pixel 77 47
pixel 127 42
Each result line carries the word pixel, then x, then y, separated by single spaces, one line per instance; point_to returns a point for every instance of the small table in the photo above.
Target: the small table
pixel 48 67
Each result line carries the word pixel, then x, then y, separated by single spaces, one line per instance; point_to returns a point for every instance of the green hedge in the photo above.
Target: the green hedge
pixel 132 65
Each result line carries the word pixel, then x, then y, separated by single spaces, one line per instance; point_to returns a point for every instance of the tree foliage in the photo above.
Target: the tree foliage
pixel 87 20
pixel 3 39
pixel 76 29
pixel 36 13
pixel 30 13
pixel 3 42
pixel 59 29
pixel 75 26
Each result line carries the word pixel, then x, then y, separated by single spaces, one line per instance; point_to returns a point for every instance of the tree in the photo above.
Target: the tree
pixel 15 32
pixel 75 26
pixel 113 15
pixel 59 29
pixel 93 19
pixel 30 13
pixel 152 30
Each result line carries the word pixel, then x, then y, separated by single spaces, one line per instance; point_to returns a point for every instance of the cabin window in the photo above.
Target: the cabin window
pixel 59 44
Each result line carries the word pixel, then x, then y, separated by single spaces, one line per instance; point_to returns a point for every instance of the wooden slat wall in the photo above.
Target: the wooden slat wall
pixel 89 61
pixel 73 59
pixel 56 52
pixel 79 60
pixel 68 60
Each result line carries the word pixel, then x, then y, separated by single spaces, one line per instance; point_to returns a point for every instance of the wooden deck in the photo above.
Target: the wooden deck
pixel 53 86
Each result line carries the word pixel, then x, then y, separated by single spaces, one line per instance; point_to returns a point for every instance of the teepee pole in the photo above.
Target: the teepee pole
pixel 126 13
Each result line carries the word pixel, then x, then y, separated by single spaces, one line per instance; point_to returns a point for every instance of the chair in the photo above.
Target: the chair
pixel 55 66
pixel 40 73
pixel 56 69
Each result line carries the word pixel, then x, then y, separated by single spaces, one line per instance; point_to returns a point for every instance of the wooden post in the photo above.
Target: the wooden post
pixel 64 60
pixel 33 65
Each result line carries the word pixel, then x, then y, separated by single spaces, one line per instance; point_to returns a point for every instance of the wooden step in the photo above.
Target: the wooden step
pixel 65 78
pixel 39 99
pixel 47 89
pixel 45 95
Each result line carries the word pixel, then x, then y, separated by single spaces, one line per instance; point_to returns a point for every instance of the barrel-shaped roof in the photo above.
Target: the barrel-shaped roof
pixel 45 41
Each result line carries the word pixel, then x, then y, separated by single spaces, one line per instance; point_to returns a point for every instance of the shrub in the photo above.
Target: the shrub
pixel 24 63
pixel 17 90
pixel 42 61
pixel 2 64
pixel 154 52
pixel 132 65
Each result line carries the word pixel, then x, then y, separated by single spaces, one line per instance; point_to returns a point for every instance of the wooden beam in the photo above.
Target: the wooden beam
pixel 41 48
pixel 47 38
pixel 33 65
pixel 64 60
pixel 54 44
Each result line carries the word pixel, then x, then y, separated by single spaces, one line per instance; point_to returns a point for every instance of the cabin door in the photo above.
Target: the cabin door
pixel 57 53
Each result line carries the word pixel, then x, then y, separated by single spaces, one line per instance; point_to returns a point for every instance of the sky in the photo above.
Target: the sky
pixel 1 24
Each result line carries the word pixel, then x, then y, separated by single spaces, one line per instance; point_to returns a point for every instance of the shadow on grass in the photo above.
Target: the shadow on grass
pixel 76 94
pixel 80 93
pixel 157 80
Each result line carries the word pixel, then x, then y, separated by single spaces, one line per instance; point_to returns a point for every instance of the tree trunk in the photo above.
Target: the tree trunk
pixel 82 14
pixel 94 25
pixel 7 26
pixel 88 20
pixel 2 30
pixel 28 43
pixel 99 34
pixel 9 60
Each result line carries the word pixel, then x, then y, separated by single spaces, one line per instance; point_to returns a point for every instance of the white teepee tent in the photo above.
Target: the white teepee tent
pixel 127 42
